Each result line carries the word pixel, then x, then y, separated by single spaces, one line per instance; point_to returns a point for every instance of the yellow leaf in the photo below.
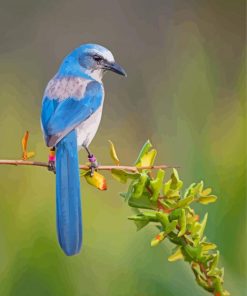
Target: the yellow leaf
pixel 206 191
pixel 146 147
pixel 182 223
pixel 25 154
pixel 207 199
pixel 176 256
pixel 113 153
pixel 24 141
pixel 30 154
pixel 148 159
pixel 97 180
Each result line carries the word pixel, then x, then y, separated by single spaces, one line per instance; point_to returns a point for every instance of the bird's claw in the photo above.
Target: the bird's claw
pixel 93 164
pixel 52 166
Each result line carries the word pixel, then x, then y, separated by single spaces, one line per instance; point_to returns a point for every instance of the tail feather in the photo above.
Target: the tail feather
pixel 68 200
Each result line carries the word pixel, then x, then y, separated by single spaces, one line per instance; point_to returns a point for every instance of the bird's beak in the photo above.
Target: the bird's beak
pixel 114 67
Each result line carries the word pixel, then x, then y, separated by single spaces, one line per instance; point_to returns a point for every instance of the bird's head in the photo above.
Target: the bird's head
pixel 90 59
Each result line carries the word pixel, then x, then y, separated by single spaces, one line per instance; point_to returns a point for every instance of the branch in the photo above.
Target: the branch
pixel 85 167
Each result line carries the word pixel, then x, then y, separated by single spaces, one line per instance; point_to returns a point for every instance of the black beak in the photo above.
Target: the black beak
pixel 114 67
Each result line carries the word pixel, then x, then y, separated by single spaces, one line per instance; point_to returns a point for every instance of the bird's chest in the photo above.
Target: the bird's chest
pixel 88 128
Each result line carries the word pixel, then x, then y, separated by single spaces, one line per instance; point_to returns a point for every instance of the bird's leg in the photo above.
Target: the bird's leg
pixel 52 160
pixel 93 161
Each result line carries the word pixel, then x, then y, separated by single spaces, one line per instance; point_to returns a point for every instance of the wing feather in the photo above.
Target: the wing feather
pixel 59 117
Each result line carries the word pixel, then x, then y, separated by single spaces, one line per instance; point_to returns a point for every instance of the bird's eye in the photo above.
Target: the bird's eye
pixel 97 58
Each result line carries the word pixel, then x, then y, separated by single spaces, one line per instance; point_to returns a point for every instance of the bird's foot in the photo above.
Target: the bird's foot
pixel 52 166
pixel 52 161
pixel 93 164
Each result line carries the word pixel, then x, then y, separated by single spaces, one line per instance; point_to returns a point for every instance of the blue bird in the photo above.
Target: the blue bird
pixel 70 116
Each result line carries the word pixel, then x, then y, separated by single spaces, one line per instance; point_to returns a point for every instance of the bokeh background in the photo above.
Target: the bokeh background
pixel 185 91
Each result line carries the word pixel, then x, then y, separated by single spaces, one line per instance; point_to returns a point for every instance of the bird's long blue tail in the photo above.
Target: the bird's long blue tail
pixel 68 200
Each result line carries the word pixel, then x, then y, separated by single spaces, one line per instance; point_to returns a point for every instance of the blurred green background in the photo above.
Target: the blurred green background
pixel 185 91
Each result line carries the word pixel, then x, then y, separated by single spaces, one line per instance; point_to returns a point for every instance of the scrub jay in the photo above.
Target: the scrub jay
pixel 70 116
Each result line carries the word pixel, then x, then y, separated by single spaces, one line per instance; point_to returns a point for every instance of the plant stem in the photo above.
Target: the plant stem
pixel 85 167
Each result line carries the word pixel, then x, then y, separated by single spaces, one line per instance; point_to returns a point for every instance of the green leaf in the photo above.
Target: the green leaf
pixel 157 184
pixel 123 176
pixel 167 204
pixel 142 202
pixel 189 239
pixel 203 225
pixel 213 264
pixel 146 147
pixel 219 272
pixel 175 214
pixel 163 218
pixel 119 175
pixel 191 216
pixel 193 253
pixel 218 289
pixel 189 190
pixel 207 199
pixel 171 226
pixel 208 246
pixel 136 211
pixel 176 183
pixel 173 194
pixel 182 223
pixel 139 185
pixel 127 195
pixel 203 283
pixel 175 176
pixel 177 255
pixel 166 187
pixel 141 224
pixel 198 188
pixel 113 153
pixel 142 219
pixel 195 228
pixel 197 270
pixel 185 202
pixel 139 217
pixel 150 216
pixel 171 187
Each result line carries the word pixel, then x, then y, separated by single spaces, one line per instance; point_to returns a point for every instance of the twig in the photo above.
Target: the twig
pixel 85 167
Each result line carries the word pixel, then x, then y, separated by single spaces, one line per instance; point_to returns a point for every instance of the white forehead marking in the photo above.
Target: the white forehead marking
pixel 105 53
pixel 66 87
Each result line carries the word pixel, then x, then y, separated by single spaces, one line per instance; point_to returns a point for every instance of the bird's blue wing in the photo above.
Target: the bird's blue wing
pixel 61 116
